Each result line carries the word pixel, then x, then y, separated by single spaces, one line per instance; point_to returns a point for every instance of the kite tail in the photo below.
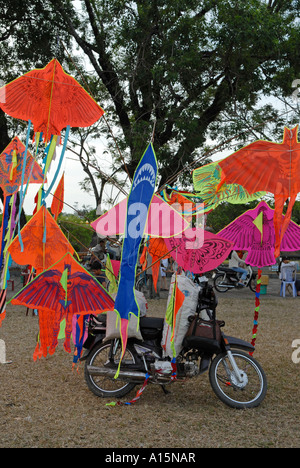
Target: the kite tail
pixel 279 226
pixel 68 332
pixel 124 337
pixel 22 192
pixel 36 353
pixel 257 306
pixel 2 305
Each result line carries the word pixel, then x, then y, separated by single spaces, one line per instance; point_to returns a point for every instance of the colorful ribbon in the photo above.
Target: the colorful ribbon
pixel 256 310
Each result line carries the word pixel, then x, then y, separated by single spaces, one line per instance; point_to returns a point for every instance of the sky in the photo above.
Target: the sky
pixel 73 175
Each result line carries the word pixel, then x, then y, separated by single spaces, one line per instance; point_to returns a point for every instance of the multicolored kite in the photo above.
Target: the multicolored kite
pixel 206 181
pixel 14 171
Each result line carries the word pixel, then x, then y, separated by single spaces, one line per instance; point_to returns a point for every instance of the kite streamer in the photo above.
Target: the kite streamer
pixel 136 398
pixel 256 310
pixel 22 193
pixel 2 305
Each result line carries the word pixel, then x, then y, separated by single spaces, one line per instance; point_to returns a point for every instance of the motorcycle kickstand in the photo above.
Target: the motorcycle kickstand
pixel 166 392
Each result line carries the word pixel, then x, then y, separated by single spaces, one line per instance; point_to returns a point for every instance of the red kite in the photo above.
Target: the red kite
pixel 270 167
pixel 11 163
pixel 64 290
pixel 58 199
pixel 198 251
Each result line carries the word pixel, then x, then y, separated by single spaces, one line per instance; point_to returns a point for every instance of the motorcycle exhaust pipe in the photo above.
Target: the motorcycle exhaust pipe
pixel 131 376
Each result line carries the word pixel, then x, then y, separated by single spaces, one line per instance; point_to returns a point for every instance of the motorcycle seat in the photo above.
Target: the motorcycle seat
pixel 227 270
pixel 152 322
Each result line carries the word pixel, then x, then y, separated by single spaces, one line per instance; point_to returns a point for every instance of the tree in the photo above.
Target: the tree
pixel 181 72
pixel 184 70
pixel 77 230
pixel 27 36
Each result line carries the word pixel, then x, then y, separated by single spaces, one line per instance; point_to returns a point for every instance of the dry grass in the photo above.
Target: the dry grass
pixel 45 404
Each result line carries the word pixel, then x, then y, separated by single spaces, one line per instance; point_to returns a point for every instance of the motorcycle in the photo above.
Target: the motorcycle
pixel 225 278
pixel 236 378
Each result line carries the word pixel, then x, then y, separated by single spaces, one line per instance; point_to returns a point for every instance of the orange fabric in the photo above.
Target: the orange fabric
pixel 51 99
pixel 57 204
pixel 37 253
pixel 185 206
pixel 143 258
pixel 271 167
pixel 179 300
pixel 157 249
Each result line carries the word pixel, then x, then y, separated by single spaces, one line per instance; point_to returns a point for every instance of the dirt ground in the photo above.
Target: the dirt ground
pixel 44 404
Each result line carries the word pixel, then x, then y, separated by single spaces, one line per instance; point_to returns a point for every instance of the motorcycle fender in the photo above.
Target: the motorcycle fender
pixel 241 344
pixel 204 364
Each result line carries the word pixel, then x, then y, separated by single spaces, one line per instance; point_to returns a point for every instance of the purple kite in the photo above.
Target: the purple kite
pixel 254 231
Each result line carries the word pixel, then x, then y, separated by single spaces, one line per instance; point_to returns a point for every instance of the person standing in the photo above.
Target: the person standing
pixel 152 293
pixel 163 271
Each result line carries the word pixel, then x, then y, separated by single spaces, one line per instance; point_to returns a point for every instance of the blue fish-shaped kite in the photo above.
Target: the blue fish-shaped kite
pixel 139 200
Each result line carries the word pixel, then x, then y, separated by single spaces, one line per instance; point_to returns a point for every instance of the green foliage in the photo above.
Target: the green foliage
pixel 180 67
pixel 225 213
pixel 77 230
pixel 183 71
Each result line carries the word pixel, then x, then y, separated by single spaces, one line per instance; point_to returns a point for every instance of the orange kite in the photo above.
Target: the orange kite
pixel 51 99
pixel 44 242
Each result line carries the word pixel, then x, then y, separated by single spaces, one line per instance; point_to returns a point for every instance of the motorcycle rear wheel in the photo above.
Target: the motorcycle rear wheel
pixel 218 280
pixel 103 386
pixel 252 284
pixel 247 394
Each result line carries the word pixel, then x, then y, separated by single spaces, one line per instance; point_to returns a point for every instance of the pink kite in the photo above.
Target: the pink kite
pixel 198 251
pixel 254 231
pixel 163 220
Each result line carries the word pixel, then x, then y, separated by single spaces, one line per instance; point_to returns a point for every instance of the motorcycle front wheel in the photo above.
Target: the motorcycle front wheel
pixel 247 393
pixel 218 283
pixel 103 386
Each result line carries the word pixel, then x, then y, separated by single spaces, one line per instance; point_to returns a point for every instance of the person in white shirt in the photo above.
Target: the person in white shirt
pixel 234 264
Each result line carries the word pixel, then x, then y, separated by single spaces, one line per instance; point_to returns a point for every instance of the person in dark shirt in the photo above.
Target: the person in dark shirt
pixel 98 272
